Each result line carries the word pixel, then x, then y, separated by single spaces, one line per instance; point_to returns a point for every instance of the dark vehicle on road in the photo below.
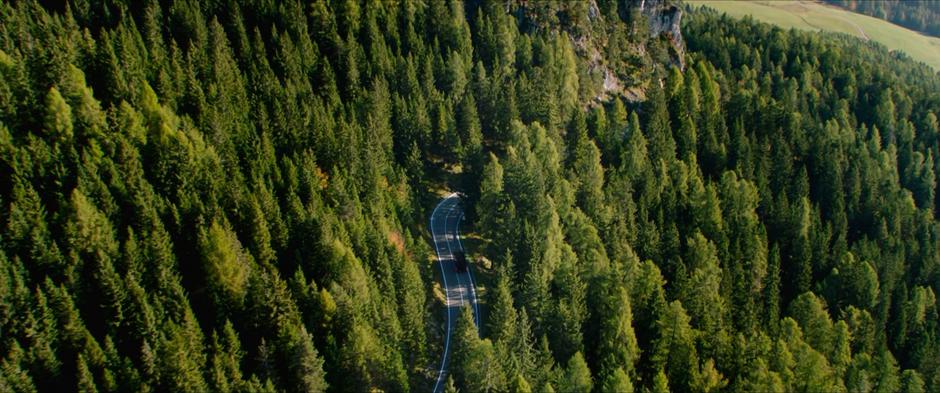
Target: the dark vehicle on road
pixel 460 260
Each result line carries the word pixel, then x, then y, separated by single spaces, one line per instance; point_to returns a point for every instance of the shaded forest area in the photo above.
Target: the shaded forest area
pixel 232 196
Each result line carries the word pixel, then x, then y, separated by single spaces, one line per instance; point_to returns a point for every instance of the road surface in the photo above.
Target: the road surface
pixel 459 288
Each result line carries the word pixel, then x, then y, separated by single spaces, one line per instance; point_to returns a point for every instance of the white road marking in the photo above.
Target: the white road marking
pixel 449 212
pixel 460 287
pixel 440 373
pixel 473 292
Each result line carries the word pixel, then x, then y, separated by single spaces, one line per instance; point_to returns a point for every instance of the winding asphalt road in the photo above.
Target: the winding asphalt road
pixel 459 288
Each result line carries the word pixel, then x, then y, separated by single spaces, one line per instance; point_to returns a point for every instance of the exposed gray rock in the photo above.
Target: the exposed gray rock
pixel 666 20
pixel 664 17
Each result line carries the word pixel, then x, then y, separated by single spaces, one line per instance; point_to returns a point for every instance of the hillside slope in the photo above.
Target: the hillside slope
pixel 920 15
pixel 233 195
pixel 814 16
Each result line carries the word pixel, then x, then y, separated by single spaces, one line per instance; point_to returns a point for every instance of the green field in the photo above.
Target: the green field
pixel 808 15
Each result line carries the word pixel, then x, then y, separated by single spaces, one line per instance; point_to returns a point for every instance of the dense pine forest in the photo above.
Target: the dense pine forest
pixel 233 196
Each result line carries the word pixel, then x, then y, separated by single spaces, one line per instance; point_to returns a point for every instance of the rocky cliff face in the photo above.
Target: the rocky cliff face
pixel 664 18
pixel 624 45
pixel 659 18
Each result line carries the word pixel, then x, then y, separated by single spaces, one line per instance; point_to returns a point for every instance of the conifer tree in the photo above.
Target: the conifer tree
pixel 577 376
pixel 617 345
pixel 502 316
pixel 662 146
pixel 227 266
pixel 618 381
pixel 58 117
pixel 674 348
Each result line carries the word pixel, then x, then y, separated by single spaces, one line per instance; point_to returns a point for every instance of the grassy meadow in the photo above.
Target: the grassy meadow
pixel 814 16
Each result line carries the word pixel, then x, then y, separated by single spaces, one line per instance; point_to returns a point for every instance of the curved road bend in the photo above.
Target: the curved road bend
pixel 458 287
